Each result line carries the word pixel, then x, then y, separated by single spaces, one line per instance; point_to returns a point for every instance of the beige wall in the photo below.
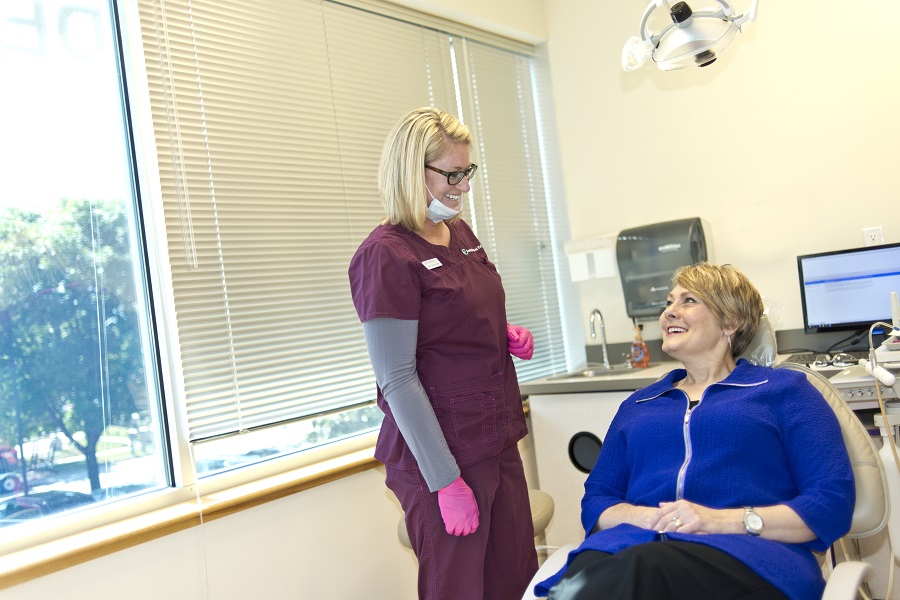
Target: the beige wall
pixel 519 19
pixel 788 144
pixel 335 541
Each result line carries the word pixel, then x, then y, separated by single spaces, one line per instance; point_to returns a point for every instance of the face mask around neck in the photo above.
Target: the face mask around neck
pixel 438 211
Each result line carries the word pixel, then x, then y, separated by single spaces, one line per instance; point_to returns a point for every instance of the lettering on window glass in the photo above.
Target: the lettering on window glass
pixel 38 27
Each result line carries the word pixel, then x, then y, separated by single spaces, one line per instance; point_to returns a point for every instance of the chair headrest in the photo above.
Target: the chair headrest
pixel 762 348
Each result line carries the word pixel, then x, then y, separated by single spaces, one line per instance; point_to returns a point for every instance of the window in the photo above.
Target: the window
pixel 269 120
pixel 80 421
pixel 224 281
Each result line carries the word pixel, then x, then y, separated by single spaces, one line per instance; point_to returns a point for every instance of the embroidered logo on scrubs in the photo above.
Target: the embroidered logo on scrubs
pixel 432 263
pixel 475 249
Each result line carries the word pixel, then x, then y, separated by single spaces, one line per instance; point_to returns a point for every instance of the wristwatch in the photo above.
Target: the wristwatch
pixel 753 523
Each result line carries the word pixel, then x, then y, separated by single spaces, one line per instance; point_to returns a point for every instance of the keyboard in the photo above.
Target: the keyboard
pixel 809 358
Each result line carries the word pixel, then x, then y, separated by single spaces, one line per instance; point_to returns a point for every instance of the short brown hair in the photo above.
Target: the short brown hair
pixel 734 301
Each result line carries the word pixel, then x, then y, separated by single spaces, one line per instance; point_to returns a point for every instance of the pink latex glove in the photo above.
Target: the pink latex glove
pixel 458 508
pixel 521 342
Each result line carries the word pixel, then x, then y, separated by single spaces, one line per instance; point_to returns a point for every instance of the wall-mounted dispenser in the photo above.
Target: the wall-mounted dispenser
pixel 648 256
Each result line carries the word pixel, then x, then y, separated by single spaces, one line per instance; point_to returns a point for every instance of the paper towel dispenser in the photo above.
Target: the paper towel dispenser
pixel 648 256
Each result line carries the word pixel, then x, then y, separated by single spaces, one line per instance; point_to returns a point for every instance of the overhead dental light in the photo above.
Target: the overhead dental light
pixel 694 38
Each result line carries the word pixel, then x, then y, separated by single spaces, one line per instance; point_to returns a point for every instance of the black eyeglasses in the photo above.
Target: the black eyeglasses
pixel 454 177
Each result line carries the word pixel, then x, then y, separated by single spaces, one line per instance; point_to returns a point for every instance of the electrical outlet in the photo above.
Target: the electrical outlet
pixel 872 236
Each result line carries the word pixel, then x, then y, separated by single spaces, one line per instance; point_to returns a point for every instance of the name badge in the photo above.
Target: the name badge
pixel 432 263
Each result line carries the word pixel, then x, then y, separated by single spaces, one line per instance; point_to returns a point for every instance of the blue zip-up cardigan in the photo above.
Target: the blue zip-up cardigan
pixel 760 437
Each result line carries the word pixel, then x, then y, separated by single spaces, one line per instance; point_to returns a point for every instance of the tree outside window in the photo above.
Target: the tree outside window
pixel 79 410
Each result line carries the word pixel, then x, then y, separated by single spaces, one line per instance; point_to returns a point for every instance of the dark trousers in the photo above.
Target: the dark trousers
pixel 494 563
pixel 665 570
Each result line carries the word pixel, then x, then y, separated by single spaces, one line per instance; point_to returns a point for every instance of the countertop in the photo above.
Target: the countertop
pixel 631 380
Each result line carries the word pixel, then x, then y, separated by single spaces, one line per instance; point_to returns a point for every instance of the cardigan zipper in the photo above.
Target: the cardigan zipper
pixel 688 451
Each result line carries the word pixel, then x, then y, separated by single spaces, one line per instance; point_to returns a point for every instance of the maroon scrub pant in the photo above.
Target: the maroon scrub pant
pixel 497 561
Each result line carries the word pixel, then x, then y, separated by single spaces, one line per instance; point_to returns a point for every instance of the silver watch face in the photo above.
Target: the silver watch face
pixel 753 522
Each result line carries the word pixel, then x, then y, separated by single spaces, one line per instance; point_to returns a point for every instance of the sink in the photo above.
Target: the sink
pixel 598 370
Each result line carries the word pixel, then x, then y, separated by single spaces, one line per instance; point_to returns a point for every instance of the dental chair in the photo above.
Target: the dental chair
pixel 872 504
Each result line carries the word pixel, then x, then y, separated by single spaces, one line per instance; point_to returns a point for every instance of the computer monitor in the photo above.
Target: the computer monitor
pixel 848 289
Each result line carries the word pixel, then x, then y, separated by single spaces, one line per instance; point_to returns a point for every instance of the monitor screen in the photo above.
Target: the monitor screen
pixel 848 289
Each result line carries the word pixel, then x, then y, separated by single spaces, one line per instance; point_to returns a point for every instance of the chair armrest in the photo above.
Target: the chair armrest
pixel 844 581
pixel 554 563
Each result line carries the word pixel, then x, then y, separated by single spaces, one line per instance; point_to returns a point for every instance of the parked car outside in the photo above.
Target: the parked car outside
pixel 9 457
pixel 10 481
pixel 40 504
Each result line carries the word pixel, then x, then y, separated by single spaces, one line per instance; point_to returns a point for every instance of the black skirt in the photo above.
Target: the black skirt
pixel 663 570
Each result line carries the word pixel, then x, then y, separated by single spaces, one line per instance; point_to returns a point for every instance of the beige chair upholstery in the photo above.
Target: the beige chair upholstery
pixel 872 505
pixel 541 513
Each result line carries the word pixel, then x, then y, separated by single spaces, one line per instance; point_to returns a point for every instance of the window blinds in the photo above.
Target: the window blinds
pixel 511 209
pixel 269 119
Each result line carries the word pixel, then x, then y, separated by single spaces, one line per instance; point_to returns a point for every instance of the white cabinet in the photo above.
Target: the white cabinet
pixel 555 420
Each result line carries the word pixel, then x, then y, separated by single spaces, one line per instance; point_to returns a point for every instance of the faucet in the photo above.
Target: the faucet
pixel 596 313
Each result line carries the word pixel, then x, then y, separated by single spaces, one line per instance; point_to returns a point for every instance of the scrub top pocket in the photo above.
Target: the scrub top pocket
pixel 472 415
pixel 474 419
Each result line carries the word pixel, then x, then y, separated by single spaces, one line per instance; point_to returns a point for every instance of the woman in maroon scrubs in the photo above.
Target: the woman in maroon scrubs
pixel 433 312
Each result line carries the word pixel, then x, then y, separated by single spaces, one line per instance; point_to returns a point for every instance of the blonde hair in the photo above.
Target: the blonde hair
pixel 423 135
pixel 734 301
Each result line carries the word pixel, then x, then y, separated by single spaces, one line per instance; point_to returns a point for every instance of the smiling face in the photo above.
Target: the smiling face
pixel 456 159
pixel 690 329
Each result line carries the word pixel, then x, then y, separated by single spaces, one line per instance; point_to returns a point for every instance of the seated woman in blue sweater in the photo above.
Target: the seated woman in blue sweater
pixel 720 480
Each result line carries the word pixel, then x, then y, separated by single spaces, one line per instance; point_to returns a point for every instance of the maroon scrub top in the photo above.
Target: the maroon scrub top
pixel 456 295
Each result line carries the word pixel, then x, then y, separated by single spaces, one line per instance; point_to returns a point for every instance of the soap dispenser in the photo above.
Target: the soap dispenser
pixel 640 355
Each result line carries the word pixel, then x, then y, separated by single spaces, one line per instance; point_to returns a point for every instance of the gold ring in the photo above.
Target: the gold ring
pixel 677 522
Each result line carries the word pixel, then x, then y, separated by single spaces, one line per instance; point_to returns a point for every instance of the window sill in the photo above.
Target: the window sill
pixel 44 559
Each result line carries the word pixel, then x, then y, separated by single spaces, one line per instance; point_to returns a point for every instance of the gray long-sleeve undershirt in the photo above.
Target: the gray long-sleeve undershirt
pixel 392 351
